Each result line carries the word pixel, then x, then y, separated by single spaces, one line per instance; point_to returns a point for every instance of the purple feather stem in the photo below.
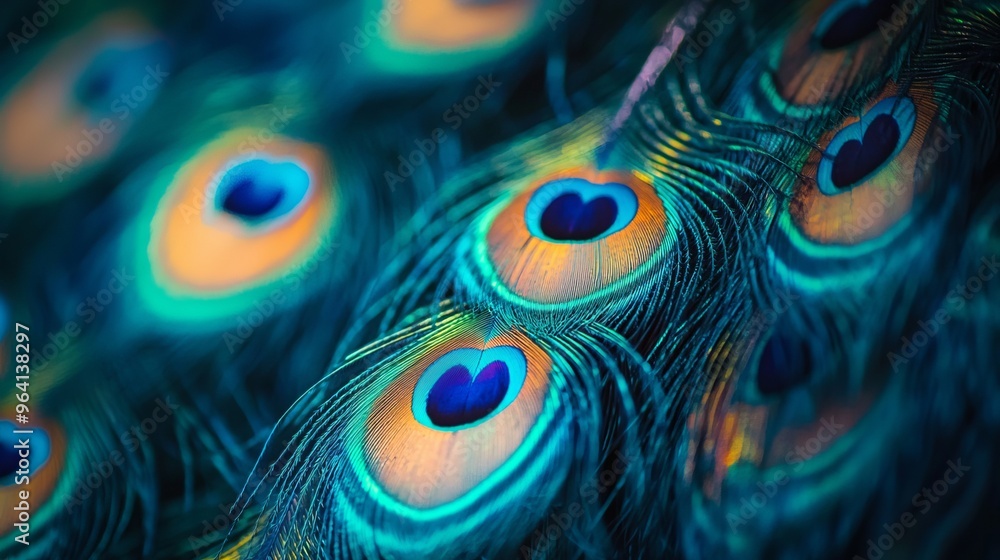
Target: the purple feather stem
pixel 676 31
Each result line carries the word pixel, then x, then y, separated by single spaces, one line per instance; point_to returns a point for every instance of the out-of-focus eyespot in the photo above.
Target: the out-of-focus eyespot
pixel 443 36
pixel 839 43
pixel 572 236
pixel 783 363
pixel 28 461
pixel 847 22
pixel 228 224
pixel 70 111
pixel 768 442
pixel 459 25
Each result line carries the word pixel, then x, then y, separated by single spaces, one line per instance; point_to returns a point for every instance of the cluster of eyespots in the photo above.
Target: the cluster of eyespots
pixel 572 236
pixel 228 223
pixel 70 112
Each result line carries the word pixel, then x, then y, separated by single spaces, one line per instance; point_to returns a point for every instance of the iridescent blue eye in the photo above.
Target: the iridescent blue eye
pixel 467 386
pixel 122 80
pixel 862 149
pixel 848 21
pixel 578 211
pixel 38 450
pixel 261 190
pixel 784 363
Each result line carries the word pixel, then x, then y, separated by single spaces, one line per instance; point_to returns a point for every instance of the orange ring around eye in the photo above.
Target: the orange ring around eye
pixel 36 124
pixel 424 467
pixel 808 75
pixel 206 250
pixel 449 24
pixel 842 218
pixel 543 271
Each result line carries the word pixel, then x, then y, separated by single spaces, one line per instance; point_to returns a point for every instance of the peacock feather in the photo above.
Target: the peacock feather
pixel 497 279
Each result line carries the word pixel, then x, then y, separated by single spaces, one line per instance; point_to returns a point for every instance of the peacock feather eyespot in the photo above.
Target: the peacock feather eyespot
pixel 40 450
pixel 46 457
pixel 477 391
pixel 838 45
pixel 70 112
pixel 431 36
pixel 229 223
pixel 848 21
pixel 446 423
pixel 572 236
pixel 784 362
pixel 870 160
pixel 772 418
pixel 458 391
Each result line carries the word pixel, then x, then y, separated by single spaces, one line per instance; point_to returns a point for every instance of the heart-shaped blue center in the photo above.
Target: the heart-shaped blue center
pixel 569 218
pixel 847 22
pixel 457 398
pixel 858 159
